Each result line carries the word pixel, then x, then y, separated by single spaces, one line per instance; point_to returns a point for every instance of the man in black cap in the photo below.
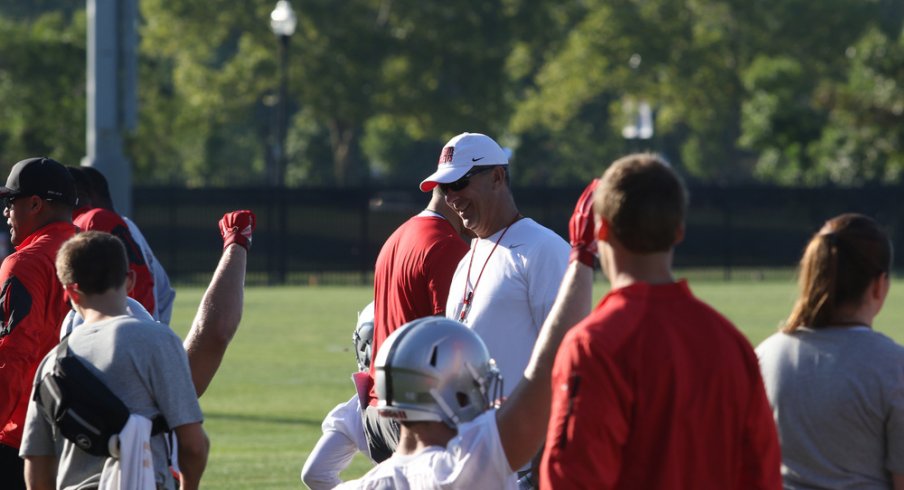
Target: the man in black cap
pixel 38 200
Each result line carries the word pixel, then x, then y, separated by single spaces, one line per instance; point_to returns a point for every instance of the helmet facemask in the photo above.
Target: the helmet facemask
pixel 363 337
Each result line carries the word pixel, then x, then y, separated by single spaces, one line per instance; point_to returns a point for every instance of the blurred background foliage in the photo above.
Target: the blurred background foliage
pixel 789 92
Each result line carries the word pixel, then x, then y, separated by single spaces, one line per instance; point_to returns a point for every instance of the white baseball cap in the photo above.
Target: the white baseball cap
pixel 462 153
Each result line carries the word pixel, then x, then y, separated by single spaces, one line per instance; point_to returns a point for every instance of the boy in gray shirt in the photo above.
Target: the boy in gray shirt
pixel 142 362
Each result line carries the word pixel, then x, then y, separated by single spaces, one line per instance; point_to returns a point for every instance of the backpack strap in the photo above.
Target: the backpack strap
pixel 61 350
pixel 159 425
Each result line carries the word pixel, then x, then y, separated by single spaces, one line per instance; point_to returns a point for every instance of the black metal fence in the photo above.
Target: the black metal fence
pixel 325 236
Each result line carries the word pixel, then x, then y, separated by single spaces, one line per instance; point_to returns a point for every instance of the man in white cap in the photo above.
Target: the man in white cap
pixel 504 287
pixel 436 377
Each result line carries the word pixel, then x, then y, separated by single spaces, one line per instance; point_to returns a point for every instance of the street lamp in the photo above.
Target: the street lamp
pixel 282 23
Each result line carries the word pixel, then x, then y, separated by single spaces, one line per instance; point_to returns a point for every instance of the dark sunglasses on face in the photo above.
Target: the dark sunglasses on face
pixel 9 200
pixel 464 180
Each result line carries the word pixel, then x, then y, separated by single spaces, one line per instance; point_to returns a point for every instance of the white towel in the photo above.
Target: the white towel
pixel 134 469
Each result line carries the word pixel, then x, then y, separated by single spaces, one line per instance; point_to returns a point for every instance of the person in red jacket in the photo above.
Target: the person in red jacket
pixel 39 197
pixel 89 216
pixel 654 389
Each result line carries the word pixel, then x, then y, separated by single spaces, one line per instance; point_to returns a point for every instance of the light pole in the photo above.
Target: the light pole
pixel 282 22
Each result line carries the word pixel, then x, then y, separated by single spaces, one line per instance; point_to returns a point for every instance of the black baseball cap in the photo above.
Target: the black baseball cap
pixel 43 177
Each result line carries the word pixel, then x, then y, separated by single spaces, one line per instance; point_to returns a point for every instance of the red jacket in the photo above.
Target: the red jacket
pixel 32 308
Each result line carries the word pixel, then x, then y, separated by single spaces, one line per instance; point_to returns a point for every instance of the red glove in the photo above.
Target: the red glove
pixel 236 227
pixel 581 228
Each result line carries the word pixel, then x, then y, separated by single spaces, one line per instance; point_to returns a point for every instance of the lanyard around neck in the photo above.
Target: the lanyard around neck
pixel 468 296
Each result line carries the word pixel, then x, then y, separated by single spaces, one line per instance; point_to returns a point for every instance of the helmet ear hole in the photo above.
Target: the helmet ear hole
pixel 433 356
pixel 462 399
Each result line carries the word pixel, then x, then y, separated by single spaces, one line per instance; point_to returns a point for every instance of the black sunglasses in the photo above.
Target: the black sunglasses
pixel 9 200
pixel 465 179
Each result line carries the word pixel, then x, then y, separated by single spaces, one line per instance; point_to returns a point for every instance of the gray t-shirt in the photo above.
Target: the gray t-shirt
pixel 145 365
pixel 837 395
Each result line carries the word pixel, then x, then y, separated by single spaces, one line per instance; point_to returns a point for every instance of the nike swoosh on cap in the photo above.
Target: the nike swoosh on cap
pixel 477 159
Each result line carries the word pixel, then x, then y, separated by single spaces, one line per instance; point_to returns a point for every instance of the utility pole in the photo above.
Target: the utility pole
pixel 112 78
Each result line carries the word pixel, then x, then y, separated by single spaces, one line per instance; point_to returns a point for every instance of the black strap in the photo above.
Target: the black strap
pixel 158 424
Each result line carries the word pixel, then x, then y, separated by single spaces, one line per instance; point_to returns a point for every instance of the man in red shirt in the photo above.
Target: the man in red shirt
pixel 411 280
pixel 654 389
pixel 39 197
pixel 91 216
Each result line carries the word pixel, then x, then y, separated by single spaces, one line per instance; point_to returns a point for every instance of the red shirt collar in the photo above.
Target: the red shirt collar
pixel 48 229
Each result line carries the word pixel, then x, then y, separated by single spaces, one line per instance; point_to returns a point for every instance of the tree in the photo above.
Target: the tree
pixel 793 85
pixel 740 90
pixel 42 87
pixel 863 140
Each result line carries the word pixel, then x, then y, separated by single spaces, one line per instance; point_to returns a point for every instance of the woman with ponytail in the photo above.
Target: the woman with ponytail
pixel 836 386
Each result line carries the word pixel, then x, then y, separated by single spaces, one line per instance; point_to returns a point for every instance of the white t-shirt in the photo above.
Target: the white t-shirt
pixel 514 294
pixel 343 436
pixel 474 459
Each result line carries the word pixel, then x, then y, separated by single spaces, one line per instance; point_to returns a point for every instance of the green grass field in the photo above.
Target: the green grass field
pixel 290 363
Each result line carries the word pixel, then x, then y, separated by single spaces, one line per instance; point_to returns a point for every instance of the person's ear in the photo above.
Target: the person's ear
pixel 35 204
pixel 498 176
pixel 679 234
pixel 131 279
pixel 880 286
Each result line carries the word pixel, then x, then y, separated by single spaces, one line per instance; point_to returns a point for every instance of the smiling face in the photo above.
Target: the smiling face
pixel 478 203
pixel 20 217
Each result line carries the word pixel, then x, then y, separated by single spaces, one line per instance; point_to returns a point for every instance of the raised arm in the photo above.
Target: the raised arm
pixel 522 419
pixel 221 307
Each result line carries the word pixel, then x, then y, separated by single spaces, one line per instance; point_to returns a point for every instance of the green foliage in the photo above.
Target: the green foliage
pixel 783 91
pixel 42 91
pixel 863 140
pixel 780 120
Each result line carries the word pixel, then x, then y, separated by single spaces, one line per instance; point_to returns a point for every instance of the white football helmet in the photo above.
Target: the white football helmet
pixel 364 337
pixel 435 369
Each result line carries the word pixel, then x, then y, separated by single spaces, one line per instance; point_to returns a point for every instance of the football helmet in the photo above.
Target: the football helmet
pixel 435 369
pixel 364 337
